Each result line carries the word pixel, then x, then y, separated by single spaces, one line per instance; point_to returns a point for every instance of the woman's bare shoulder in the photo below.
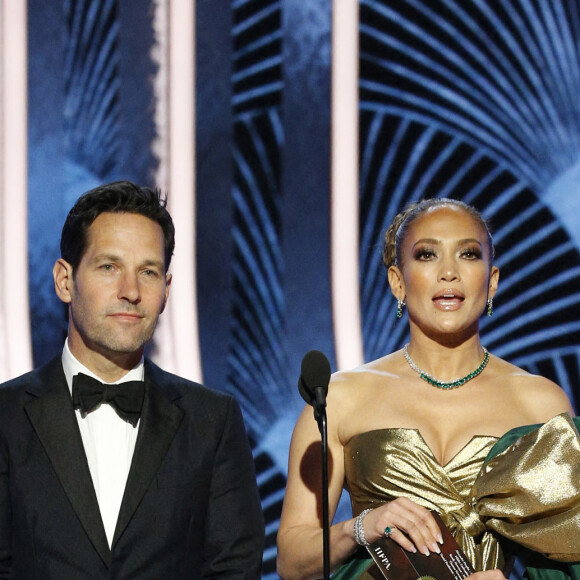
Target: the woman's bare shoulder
pixel 354 393
pixel 541 397
pixel 383 371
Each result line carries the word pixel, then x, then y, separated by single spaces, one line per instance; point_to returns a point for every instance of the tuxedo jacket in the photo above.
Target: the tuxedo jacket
pixel 191 507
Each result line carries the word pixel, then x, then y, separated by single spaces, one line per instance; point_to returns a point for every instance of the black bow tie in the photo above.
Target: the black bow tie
pixel 126 398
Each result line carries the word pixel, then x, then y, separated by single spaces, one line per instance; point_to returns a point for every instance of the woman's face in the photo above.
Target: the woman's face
pixel 445 276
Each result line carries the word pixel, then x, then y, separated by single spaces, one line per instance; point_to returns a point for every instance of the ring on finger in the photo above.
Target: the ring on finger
pixel 389 530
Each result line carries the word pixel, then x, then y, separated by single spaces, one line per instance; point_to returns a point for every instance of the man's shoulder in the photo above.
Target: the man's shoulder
pixel 174 385
pixel 17 393
pixel 48 372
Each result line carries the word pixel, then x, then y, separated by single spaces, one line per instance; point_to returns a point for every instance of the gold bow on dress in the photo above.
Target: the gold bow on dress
pixel 528 489
pixel 530 492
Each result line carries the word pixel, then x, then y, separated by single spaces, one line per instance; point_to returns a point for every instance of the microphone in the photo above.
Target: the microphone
pixel 313 386
pixel 314 379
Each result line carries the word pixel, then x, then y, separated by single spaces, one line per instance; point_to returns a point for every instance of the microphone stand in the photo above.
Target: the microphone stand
pixel 319 404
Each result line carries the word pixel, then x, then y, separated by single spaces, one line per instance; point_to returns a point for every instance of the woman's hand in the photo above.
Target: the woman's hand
pixel 412 526
pixel 487 575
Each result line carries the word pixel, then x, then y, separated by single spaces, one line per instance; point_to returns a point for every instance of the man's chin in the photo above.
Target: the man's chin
pixel 124 348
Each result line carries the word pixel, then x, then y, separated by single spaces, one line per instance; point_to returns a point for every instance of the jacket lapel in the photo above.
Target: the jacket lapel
pixel 160 420
pixel 52 416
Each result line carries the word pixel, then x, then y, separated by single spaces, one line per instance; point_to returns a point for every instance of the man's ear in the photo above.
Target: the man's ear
pixel 168 278
pixel 63 280
pixel 396 282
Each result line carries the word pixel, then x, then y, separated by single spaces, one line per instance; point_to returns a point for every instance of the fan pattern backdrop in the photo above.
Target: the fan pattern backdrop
pixel 474 100
pixel 257 357
pixel 477 101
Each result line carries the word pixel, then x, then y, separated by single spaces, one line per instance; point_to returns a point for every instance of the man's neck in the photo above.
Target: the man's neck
pixel 109 367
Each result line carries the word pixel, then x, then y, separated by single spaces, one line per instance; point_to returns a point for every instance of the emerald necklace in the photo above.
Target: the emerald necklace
pixel 446 384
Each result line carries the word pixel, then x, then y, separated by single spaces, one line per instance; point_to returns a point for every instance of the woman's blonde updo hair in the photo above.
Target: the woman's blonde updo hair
pixel 396 232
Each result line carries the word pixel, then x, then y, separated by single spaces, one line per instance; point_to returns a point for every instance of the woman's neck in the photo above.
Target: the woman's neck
pixel 446 362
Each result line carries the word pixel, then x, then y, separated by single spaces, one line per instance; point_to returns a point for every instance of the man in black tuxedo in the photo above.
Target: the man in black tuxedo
pixel 147 477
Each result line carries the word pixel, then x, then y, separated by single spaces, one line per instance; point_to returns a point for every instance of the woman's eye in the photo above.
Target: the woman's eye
pixel 471 254
pixel 424 254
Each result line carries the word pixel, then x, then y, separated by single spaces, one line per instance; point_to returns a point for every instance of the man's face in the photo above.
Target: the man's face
pixel 118 290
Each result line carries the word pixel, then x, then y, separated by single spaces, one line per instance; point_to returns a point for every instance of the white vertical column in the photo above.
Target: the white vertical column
pixel 15 344
pixel 177 336
pixel 345 184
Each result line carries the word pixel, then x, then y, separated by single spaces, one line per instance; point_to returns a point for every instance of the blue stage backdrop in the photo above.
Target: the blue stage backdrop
pixel 474 100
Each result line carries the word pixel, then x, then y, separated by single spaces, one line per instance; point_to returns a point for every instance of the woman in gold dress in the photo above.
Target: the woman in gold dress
pixel 405 434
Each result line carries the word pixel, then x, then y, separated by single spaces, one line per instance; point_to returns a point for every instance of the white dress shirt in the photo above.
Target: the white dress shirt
pixel 109 443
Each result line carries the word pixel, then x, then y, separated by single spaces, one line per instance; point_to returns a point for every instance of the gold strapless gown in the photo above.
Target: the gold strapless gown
pixel 529 492
pixel 388 463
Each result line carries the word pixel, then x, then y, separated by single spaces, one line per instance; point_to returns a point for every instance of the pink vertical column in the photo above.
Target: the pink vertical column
pixel 15 344
pixel 345 185
pixel 177 338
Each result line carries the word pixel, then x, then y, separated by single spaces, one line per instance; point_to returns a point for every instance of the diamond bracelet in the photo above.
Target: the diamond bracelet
pixel 359 530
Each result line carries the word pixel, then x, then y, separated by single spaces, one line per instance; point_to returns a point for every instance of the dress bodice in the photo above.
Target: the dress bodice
pixel 384 464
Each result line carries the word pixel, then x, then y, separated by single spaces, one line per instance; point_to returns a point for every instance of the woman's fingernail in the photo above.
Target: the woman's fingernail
pixel 413 549
pixel 440 538
pixel 435 548
pixel 425 550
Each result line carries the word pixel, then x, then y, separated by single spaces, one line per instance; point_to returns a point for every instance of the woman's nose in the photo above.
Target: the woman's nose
pixel 448 270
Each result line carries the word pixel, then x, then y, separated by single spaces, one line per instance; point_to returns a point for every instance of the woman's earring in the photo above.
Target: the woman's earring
pixel 400 305
pixel 490 306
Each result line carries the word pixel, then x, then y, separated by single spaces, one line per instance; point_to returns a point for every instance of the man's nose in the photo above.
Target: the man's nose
pixel 129 288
